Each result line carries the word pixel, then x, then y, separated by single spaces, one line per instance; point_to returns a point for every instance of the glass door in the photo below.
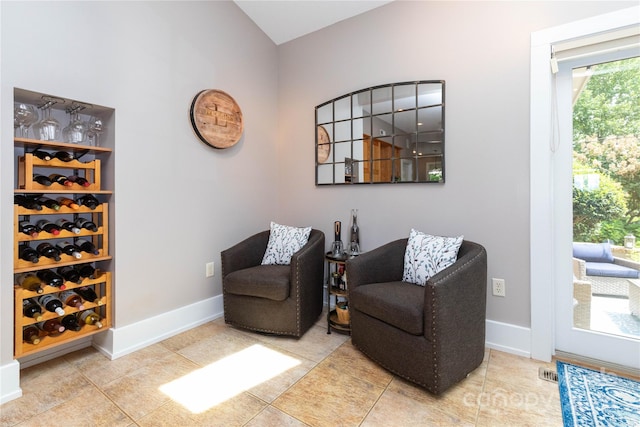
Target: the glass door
pixel 598 215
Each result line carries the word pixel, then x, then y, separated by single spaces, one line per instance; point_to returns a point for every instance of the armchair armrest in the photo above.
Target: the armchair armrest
pixel 245 254
pixel 383 264
pixel 455 308
pixel 627 263
pixel 307 264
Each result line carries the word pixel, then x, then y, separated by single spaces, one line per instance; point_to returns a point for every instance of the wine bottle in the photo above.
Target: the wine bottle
pixel 51 303
pixel 43 180
pixel 26 202
pixel 27 253
pixel 87 247
pixel 42 155
pixel 27 228
pixel 50 203
pixel 72 299
pixel 52 327
pixel 70 203
pixel 31 334
pixel 31 308
pixel 48 277
pixel 75 179
pixel 70 274
pixel 63 156
pixel 88 294
pixel 68 248
pixel 48 226
pixel 89 317
pixel 29 281
pixel 86 270
pixel 46 249
pixel 65 224
pixel 89 201
pixel 86 224
pixel 70 322
pixel 60 179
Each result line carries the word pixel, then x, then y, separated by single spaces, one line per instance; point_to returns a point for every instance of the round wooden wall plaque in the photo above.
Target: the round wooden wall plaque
pixel 216 118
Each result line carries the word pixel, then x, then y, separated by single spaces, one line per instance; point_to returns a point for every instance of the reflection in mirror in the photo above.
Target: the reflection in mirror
pixel 392 133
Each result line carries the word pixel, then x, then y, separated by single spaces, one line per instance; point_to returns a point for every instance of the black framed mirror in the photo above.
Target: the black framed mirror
pixel 392 133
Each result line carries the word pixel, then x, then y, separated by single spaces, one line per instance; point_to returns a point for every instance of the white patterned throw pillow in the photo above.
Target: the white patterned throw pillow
pixel 426 255
pixel 284 241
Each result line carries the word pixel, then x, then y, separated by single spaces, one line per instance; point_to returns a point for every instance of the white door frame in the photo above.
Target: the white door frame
pixel 542 195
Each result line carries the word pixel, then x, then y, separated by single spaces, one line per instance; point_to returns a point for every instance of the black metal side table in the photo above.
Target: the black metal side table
pixel 338 318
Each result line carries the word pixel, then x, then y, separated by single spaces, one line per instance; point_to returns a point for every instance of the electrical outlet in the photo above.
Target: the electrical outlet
pixel 209 269
pixel 498 287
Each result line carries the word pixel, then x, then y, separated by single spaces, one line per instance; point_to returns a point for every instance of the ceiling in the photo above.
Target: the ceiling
pixel 285 20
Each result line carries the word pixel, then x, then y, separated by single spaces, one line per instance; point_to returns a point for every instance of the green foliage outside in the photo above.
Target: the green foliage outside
pixel 606 131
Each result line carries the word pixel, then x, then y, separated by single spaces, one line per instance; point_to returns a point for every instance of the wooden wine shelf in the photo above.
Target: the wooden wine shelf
pixel 101 284
pixel 100 216
pixel 91 170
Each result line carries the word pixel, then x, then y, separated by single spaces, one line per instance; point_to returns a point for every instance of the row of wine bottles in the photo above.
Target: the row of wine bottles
pixel 60 155
pixel 46 249
pixel 56 326
pixel 33 281
pixel 56 178
pixel 54 228
pixel 33 307
pixel 37 202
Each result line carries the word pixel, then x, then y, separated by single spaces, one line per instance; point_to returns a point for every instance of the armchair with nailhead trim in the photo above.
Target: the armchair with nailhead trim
pixel 273 299
pixel 432 335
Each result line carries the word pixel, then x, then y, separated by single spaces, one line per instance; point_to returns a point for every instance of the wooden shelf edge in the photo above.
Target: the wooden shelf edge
pixel 52 145
pixel 64 234
pixel 47 190
pixel 52 263
pixel 63 210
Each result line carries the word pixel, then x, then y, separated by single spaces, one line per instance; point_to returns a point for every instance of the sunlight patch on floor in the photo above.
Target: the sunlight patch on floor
pixel 219 381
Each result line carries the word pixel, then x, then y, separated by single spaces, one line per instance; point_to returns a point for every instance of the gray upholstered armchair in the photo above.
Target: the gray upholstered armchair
pixel 275 299
pixel 431 335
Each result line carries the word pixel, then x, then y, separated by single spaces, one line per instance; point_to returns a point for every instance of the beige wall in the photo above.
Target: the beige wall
pixel 482 51
pixel 178 202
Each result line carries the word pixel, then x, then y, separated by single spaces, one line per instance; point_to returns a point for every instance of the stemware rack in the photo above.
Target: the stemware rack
pixel 90 168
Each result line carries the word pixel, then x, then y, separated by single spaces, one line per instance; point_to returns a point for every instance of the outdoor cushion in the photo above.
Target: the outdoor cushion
pixel 605 269
pixel 399 304
pixel 593 252
pixel 264 281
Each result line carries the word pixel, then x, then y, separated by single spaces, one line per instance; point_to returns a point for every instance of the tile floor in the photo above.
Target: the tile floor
pixel 216 375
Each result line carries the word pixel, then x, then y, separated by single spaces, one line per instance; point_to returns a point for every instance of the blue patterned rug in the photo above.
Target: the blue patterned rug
pixel 592 398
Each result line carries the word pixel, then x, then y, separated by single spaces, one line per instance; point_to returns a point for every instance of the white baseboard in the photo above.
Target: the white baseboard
pixel 118 342
pixel 10 382
pixel 508 338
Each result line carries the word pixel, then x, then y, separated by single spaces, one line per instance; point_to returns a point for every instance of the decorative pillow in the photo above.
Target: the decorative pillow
pixel 426 255
pixel 284 241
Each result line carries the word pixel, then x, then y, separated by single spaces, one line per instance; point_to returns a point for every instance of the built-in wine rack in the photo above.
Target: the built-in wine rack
pixel 87 164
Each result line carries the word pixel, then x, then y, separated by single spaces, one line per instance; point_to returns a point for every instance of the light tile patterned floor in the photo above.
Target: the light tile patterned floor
pixel 191 380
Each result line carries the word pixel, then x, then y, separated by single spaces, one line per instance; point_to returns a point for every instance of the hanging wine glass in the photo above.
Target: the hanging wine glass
pixel 24 116
pixel 96 128
pixel 76 131
pixel 47 129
